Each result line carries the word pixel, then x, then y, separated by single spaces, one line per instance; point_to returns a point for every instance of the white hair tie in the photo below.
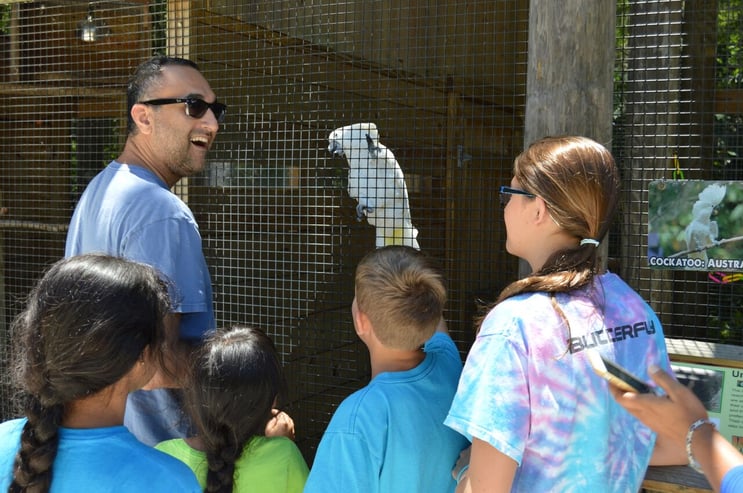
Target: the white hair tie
pixel 589 241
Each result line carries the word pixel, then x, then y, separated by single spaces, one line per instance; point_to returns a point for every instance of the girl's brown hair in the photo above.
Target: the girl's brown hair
pixel 578 180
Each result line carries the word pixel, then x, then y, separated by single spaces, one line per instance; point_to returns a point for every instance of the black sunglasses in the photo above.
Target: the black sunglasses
pixel 195 107
pixel 506 192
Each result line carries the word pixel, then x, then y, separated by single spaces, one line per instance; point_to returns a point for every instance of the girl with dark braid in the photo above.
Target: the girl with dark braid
pixel 236 382
pixel 92 331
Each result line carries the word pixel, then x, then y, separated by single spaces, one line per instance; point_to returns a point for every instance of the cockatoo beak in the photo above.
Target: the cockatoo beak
pixel 335 148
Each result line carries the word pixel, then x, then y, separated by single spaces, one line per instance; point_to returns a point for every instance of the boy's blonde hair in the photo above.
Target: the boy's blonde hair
pixel 402 293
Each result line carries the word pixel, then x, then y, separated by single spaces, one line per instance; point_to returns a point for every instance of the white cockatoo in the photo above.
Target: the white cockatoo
pixel 376 181
pixel 702 231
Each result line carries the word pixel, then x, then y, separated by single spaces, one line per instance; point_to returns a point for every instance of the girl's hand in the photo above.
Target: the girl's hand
pixel 280 425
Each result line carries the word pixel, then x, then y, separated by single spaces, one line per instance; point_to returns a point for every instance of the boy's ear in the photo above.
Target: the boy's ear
pixel 361 323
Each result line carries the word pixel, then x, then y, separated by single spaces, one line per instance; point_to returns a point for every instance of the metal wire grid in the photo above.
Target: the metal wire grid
pixel 279 226
pixel 279 229
pixel 445 84
pixel 677 64
pixel 64 108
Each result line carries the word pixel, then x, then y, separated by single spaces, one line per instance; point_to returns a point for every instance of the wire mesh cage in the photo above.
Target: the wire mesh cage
pixel 444 83
pixel 677 116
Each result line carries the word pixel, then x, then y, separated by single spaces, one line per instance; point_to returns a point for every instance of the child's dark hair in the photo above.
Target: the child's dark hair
pixel 236 379
pixel 86 324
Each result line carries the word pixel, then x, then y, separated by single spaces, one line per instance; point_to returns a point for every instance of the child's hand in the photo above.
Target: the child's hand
pixel 280 425
pixel 463 463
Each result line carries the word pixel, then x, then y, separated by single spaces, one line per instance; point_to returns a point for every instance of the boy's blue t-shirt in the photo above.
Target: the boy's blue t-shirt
pixel 390 436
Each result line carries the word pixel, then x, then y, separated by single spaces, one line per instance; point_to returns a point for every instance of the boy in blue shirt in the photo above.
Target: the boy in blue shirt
pixel 389 436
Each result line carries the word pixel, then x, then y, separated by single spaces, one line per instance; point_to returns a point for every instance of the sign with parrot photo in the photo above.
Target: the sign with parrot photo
pixel 696 225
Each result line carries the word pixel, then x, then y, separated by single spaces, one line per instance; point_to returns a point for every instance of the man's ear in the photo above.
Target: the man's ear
pixel 141 116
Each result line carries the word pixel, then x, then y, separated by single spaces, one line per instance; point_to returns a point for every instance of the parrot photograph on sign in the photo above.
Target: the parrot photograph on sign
pixel 376 182
pixel 695 225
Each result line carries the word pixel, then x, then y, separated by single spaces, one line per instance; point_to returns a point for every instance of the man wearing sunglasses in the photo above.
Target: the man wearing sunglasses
pixel 128 210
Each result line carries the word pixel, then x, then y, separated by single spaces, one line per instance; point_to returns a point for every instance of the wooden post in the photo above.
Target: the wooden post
pixel 179 45
pixel 570 72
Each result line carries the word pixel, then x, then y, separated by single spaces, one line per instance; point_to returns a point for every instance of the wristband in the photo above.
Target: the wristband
pixel 689 435
pixel 461 472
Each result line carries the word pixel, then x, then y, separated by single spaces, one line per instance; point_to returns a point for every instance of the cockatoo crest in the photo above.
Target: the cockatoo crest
pixel 376 181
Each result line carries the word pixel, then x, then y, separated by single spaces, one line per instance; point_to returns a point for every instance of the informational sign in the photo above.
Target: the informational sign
pixel 695 225
pixel 721 391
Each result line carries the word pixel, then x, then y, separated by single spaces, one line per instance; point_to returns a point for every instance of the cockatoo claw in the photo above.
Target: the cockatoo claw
pixel 362 211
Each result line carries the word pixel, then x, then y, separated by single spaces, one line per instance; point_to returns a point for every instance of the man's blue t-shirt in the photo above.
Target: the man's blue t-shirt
pixel 129 212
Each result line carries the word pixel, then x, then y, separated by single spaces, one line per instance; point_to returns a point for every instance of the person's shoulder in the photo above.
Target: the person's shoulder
pixel 439 339
pixel 519 300
pixel 355 412
pixel 615 287
pixel 140 464
pixel 170 446
pixel 12 426
pixel 353 401
pixel 610 280
pixel 133 187
pixel 513 312
pixel 442 343
pixel 279 443
pixel 160 464
pixel 10 435
pixel 277 447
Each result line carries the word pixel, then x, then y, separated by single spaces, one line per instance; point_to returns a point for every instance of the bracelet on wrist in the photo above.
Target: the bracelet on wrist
pixel 690 435
pixel 461 472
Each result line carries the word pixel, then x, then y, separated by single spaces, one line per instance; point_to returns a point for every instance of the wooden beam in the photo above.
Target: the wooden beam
pixel 674 479
pixel 706 353
pixel 290 57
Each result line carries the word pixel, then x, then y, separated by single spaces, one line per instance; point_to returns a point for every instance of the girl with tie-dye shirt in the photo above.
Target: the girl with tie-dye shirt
pixel 538 417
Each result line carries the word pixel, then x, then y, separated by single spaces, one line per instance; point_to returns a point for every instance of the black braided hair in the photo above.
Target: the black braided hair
pixel 236 379
pixel 85 325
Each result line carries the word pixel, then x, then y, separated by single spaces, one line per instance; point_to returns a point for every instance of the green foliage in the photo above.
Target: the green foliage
pixel 158 12
pixel 5 10
pixel 729 59
pixel 728 143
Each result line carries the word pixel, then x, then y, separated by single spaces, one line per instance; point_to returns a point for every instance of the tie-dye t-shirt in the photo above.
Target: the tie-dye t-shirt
pixel 534 397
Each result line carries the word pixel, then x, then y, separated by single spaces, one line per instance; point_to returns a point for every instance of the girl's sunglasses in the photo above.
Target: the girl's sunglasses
pixel 195 107
pixel 506 192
